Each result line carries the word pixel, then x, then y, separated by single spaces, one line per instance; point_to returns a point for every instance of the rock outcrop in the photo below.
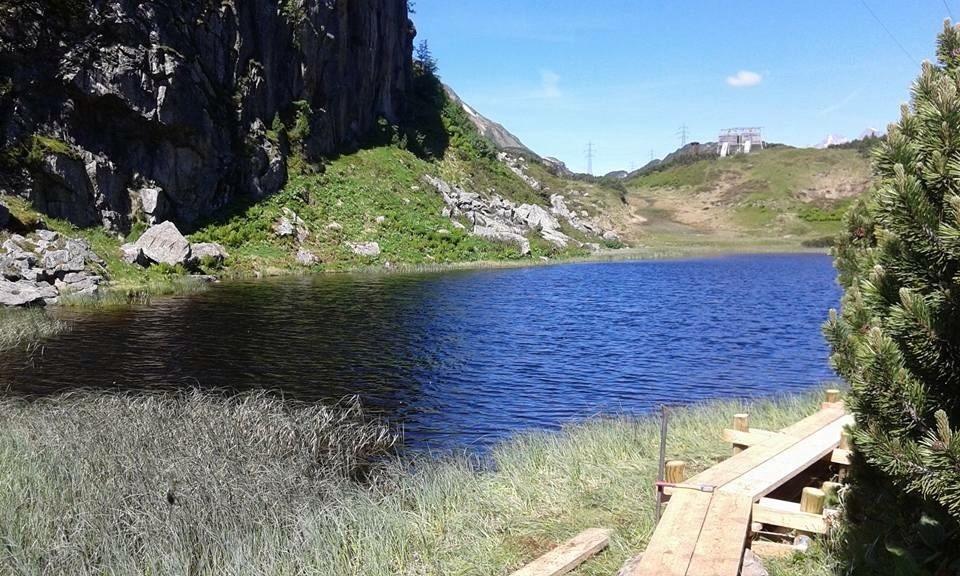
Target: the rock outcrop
pixel 164 244
pixel 118 108
pixel 37 270
pixel 498 219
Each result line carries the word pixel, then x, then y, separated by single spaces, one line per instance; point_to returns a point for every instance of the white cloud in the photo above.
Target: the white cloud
pixel 549 84
pixel 744 79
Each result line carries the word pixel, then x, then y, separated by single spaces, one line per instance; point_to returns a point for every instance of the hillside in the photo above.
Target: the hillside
pixel 778 194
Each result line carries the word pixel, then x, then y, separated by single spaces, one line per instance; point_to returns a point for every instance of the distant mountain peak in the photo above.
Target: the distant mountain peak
pixel 831 140
pixel 502 138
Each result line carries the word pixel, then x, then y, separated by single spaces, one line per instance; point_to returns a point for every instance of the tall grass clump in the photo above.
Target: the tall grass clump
pixel 26 327
pixel 202 484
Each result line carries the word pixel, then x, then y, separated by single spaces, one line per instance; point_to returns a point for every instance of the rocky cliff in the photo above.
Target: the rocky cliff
pixel 170 109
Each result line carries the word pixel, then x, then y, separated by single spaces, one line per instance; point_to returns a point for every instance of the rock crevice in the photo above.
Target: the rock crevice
pixel 120 109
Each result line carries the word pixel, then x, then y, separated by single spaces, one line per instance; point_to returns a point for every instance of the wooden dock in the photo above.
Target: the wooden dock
pixel 707 523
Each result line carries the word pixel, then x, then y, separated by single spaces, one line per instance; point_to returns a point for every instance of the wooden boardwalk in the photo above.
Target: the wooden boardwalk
pixel 704 530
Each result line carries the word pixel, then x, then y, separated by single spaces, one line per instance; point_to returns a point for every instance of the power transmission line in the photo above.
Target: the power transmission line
pixel 887 30
pixel 590 154
pixel 949 11
pixel 683 133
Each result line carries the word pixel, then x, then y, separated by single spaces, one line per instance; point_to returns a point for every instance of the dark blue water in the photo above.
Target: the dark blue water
pixel 464 358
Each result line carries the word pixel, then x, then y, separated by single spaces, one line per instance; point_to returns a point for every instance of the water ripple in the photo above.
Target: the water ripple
pixel 464 358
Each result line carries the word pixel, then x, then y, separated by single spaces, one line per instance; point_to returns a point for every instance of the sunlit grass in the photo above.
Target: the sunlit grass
pixel 203 484
pixel 26 327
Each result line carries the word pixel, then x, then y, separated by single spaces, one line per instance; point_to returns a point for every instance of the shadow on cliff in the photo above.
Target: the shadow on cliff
pixel 422 130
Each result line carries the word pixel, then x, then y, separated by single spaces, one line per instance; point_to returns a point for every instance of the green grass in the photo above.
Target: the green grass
pixel 263 486
pixel 27 327
pixel 352 193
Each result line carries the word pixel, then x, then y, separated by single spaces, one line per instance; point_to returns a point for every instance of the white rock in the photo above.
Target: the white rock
pixel 164 244
pixel 367 249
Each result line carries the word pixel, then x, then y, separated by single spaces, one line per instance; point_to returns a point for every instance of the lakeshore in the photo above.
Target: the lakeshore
pixel 216 484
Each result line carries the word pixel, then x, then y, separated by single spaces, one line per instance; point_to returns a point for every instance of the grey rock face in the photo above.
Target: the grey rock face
pixel 163 106
pixel 164 244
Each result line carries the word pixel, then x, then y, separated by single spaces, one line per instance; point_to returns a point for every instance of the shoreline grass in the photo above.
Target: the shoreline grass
pixel 200 483
pixel 27 327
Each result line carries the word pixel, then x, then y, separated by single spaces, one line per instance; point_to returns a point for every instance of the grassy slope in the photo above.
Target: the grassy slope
pixel 264 487
pixel 779 195
pixel 352 192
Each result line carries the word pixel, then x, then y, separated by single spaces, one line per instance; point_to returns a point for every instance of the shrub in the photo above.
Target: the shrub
pixel 897 340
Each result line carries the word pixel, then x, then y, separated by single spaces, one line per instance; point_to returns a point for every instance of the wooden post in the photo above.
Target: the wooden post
pixel 741 423
pixel 844 445
pixel 831 489
pixel 813 501
pixel 675 471
pixel 833 396
pixel 845 440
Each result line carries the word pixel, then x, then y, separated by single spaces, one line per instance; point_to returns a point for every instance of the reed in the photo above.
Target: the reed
pixel 27 327
pixel 197 483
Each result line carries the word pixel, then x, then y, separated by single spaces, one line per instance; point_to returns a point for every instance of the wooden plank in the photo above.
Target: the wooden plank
pixel 732 468
pixel 815 422
pixel 719 550
pixel 840 456
pixel 788 515
pixel 568 555
pixel 772 473
pixel 672 544
pixel 751 438
pixel 765 549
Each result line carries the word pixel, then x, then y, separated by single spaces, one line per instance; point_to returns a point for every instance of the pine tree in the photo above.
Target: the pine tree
pixel 897 339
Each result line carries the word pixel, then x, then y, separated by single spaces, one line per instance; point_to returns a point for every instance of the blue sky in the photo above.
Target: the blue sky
pixel 626 74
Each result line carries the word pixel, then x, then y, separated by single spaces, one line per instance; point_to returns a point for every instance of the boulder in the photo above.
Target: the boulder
pixel 25 293
pixel 335 227
pixel 497 235
pixel 79 283
pixel 536 217
pixel 210 251
pixel 306 257
pixel 47 235
pixel 366 249
pixel 62 261
pixel 164 244
pixel 132 254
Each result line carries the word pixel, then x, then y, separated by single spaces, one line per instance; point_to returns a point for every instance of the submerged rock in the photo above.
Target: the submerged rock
pixel 164 244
